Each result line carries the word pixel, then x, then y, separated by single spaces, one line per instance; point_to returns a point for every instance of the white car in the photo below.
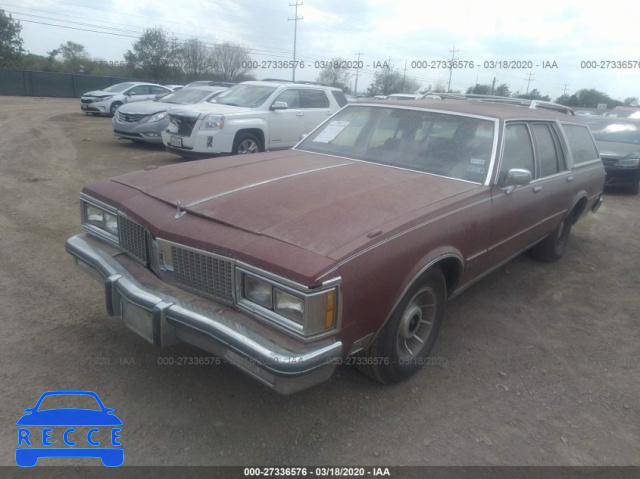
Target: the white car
pixel 107 101
pixel 250 117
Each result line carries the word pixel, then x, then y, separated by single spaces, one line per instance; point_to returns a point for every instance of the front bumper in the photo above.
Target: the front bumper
pixel 163 318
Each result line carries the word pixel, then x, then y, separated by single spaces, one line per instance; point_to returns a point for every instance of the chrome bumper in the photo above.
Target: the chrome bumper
pixel 163 319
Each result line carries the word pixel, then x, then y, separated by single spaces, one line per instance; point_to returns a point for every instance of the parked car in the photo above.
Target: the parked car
pixel 225 84
pixel 402 96
pixel 633 113
pixel 618 140
pixel 108 100
pixel 344 248
pixel 250 117
pixel 143 121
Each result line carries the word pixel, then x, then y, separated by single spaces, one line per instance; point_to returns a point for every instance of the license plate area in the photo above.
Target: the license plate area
pixel 137 319
pixel 175 141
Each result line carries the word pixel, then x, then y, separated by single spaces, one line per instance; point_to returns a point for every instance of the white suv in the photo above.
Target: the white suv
pixel 250 117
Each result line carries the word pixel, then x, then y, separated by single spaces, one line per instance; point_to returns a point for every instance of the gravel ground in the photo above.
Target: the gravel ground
pixel 536 365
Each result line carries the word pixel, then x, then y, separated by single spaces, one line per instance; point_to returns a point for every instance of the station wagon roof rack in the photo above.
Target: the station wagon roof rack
pixel 534 104
pixel 301 82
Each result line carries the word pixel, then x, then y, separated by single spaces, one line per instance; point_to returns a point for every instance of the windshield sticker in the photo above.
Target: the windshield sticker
pixel 477 161
pixel 332 130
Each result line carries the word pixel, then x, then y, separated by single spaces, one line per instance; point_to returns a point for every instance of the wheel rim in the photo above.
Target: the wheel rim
pixel 416 324
pixel 247 146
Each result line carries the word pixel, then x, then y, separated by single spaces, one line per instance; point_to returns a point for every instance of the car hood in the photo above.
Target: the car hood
pixel 69 417
pixel 145 107
pixel 315 202
pixel 610 149
pixel 101 93
pixel 208 108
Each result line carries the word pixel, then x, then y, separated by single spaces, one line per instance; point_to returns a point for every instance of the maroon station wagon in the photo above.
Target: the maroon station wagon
pixel 348 245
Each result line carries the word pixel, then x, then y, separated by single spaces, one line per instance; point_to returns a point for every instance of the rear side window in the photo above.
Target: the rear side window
pixel 314 99
pixel 581 144
pixel 549 151
pixel 340 98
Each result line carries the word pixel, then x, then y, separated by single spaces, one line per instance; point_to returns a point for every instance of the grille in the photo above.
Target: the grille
pixel 133 238
pixel 128 117
pixel 87 100
pixel 204 274
pixel 185 124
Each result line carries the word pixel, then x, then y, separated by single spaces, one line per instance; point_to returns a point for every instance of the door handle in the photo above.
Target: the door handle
pixel 537 189
pixel 570 178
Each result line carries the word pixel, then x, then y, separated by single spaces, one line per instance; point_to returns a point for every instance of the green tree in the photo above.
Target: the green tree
pixel 231 62
pixel 532 95
pixel 156 52
pixel 196 58
pixel 10 39
pixel 502 90
pixel 335 74
pixel 389 80
pixel 479 89
pixel 631 101
pixel 74 56
pixel 591 98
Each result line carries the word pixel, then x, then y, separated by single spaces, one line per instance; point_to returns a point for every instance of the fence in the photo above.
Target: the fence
pixel 64 85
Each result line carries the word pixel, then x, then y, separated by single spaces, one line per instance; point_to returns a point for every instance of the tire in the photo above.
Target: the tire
pixel 114 106
pixel 246 143
pixel 404 343
pixel 553 246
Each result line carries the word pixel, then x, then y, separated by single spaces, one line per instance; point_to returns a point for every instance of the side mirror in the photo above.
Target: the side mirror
pixel 516 177
pixel 280 105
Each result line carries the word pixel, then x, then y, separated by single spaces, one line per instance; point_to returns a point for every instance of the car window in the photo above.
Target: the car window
pixel 139 90
pixel 550 154
pixel 314 99
pixel 445 144
pixel 66 401
pixel 156 90
pixel 118 87
pixel 517 152
pixel 581 144
pixel 250 96
pixel 339 97
pixel 291 97
pixel 186 96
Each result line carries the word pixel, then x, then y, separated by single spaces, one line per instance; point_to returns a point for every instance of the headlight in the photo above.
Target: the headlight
pixel 104 98
pixel 158 116
pixel 258 291
pixel 306 313
pixel 212 122
pixel 99 220
pixel 628 163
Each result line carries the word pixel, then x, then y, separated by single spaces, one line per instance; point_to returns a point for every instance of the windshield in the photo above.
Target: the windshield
pixel 619 132
pixel 249 96
pixel 186 96
pixel 118 87
pixel 439 143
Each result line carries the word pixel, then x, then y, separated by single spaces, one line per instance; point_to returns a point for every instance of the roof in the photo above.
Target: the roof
pixel 500 111
pixel 276 82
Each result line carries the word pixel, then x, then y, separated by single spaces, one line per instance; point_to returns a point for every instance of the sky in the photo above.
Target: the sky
pixel 552 46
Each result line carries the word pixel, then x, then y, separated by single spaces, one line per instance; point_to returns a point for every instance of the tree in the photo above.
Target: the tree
pixel 502 90
pixel 156 52
pixel 196 57
pixel 10 39
pixel 388 80
pixel 73 55
pixel 335 74
pixel 631 101
pixel 231 62
pixel 590 98
pixel 532 95
pixel 479 89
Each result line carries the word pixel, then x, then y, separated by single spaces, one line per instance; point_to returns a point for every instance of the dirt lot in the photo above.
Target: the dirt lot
pixel 537 364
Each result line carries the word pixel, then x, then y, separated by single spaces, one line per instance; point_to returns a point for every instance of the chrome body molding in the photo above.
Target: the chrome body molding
pixel 164 319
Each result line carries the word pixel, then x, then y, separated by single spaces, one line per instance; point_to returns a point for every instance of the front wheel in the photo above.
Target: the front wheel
pixel 404 343
pixel 246 143
pixel 114 106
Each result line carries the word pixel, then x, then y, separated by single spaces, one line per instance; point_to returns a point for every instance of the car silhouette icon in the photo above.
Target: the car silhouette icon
pixel 71 420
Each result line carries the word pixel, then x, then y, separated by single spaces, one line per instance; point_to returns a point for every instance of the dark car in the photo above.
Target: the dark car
pixel 618 140
pixel 287 263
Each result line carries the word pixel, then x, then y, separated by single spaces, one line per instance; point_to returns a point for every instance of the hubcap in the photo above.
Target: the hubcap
pixel 416 324
pixel 247 146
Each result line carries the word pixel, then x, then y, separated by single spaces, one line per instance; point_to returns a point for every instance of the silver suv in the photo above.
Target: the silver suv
pixel 250 117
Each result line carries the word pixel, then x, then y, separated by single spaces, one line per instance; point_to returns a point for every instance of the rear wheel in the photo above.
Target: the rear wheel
pixel 246 143
pixel 553 246
pixel 114 106
pixel 405 342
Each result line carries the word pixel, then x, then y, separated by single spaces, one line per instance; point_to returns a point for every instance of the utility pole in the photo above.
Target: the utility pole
pixel 493 85
pixel 295 33
pixel 564 90
pixel 355 90
pixel 528 82
pixel 453 57
pixel 404 76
